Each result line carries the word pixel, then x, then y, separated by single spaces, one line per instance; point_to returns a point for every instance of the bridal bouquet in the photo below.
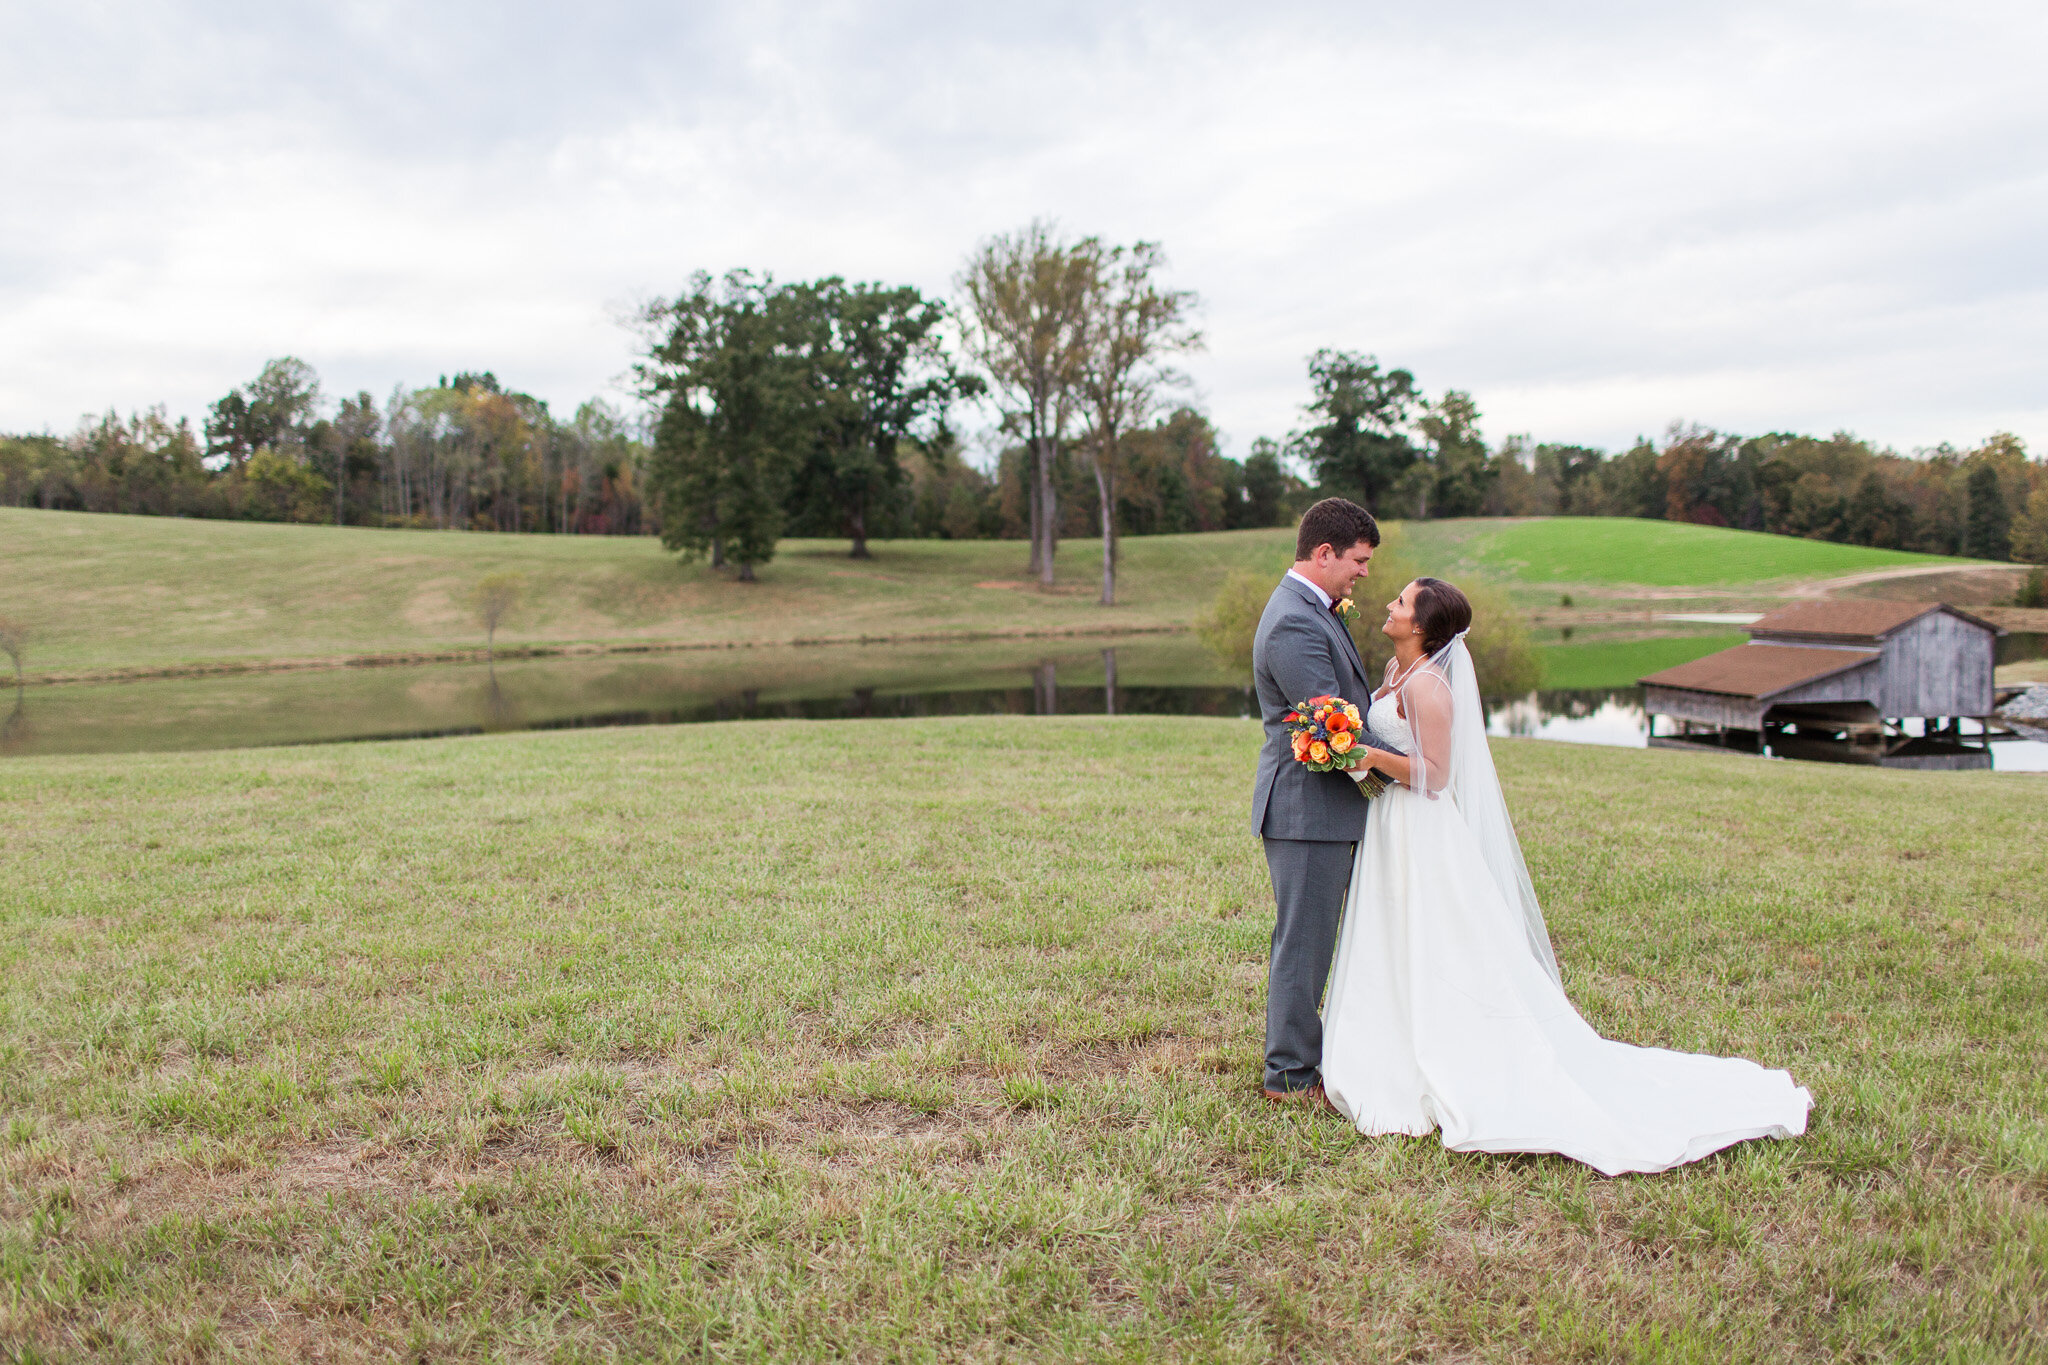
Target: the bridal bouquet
pixel 1327 731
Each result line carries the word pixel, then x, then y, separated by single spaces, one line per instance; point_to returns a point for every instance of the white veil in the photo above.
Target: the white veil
pixel 1440 697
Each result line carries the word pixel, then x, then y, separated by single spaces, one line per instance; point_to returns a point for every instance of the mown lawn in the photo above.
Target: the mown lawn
pixel 111 592
pixel 939 1040
pixel 1619 663
pixel 140 593
pixel 1624 550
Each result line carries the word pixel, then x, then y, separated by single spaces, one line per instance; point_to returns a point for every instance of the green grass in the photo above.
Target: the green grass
pixel 138 592
pixel 1619 663
pixel 940 1040
pixel 1620 550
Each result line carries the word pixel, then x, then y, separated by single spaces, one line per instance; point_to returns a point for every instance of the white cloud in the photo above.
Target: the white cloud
pixel 1596 217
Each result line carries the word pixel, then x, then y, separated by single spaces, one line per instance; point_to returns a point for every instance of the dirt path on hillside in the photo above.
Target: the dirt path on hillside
pixel 1828 587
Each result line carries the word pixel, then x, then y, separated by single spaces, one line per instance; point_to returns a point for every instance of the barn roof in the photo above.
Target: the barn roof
pixel 1755 670
pixel 1848 620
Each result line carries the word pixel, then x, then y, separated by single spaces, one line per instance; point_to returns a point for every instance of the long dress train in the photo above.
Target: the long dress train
pixel 1440 1015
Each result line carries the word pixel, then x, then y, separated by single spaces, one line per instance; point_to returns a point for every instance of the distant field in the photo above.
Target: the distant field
pixel 112 592
pixel 1618 663
pixel 1612 550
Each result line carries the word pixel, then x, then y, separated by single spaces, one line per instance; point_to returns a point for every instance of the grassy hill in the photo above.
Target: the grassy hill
pixel 111 592
pixel 1624 550
pixel 939 1040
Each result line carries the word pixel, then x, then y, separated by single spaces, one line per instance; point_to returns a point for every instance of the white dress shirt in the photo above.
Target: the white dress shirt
pixel 1321 596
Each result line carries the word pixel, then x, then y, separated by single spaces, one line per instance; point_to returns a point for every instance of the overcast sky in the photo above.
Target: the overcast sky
pixel 1596 217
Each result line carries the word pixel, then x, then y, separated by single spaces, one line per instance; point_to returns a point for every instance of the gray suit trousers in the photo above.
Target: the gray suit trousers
pixel 1310 877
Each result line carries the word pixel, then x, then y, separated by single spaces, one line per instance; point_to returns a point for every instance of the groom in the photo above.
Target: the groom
pixel 1309 821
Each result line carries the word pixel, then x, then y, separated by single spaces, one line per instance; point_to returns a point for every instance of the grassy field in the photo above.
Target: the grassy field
pixel 1608 662
pixel 939 1040
pixel 1620 550
pixel 136 593
pixel 111 592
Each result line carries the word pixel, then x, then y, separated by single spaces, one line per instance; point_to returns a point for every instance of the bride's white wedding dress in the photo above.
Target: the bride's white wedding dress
pixel 1444 1008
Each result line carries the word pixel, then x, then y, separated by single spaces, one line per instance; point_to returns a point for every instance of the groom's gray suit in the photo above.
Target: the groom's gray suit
pixel 1309 822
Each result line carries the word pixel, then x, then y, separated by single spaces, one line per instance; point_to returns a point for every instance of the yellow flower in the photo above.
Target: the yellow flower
pixel 1341 743
pixel 1319 752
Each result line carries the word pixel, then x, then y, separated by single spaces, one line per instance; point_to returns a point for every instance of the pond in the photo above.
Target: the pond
pixel 1151 675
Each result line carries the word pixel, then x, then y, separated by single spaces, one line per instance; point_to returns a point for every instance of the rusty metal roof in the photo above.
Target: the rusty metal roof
pixel 1759 671
pixel 1851 620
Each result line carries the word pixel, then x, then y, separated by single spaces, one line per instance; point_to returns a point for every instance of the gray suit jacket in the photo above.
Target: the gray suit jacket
pixel 1302 650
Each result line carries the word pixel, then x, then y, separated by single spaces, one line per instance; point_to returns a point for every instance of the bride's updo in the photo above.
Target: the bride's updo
pixel 1441 611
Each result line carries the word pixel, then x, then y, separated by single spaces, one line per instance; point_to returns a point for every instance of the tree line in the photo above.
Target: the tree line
pixel 464 454
pixel 1376 438
pixel 827 409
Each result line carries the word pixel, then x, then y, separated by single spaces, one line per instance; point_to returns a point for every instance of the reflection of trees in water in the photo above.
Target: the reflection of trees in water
pixel 15 731
pixel 14 643
pixel 499 711
pixel 1527 715
pixel 2022 646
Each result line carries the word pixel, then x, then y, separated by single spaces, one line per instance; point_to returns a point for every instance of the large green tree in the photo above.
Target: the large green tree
pixel 275 410
pixel 1456 476
pixel 1359 445
pixel 732 368
pixel 879 375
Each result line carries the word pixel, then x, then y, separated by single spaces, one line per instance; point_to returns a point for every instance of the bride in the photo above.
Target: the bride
pixel 1445 1009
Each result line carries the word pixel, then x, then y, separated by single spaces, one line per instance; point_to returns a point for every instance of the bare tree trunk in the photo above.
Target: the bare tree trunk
pixel 1045 689
pixel 1108 534
pixel 747 571
pixel 1031 499
pixel 1048 511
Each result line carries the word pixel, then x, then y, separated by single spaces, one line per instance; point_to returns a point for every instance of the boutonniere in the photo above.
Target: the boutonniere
pixel 1346 608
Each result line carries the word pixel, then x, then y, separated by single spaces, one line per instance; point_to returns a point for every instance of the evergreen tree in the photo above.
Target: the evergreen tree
pixel 1987 532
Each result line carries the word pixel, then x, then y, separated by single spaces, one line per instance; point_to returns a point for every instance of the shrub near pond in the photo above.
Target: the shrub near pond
pixel 1507 662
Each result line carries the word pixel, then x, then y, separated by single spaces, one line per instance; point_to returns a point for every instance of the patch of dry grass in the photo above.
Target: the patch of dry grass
pixel 653 1043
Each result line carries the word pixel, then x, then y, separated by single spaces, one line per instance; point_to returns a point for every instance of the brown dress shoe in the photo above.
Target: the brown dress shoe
pixel 1311 1095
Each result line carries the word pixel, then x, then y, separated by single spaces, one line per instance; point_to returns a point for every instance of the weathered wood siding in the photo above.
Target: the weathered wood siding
pixel 1708 708
pixel 1856 684
pixel 1940 665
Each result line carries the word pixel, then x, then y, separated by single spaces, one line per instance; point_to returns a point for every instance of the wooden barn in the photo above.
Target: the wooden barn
pixel 1838 680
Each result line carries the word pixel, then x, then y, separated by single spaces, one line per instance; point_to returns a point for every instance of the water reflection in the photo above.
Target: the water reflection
pixel 1579 715
pixel 1167 675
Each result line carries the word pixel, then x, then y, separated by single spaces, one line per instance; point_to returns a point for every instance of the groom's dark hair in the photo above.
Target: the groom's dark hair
pixel 1338 523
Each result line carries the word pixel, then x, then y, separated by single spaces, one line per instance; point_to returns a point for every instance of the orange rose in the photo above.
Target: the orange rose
pixel 1319 752
pixel 1340 743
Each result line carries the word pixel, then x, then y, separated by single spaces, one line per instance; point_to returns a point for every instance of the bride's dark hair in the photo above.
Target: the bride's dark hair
pixel 1441 611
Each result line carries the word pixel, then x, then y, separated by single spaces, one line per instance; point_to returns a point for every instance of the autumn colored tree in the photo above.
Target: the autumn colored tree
pixel 1026 325
pixel 1132 324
